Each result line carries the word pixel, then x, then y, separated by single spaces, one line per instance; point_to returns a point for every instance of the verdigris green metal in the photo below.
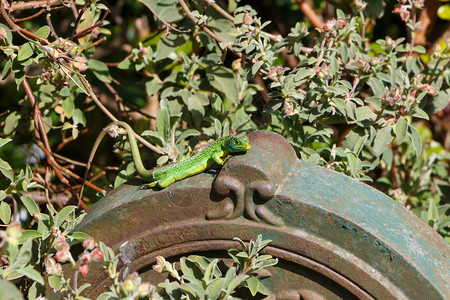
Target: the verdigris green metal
pixel 336 238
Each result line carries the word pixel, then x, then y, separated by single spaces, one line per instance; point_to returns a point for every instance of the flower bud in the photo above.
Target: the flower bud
pixel 84 269
pixel 128 285
pixel 97 255
pixel 360 5
pixel 341 23
pixel 236 64
pixel 89 243
pixel 112 271
pixel 248 20
pixel 363 65
pixel 51 266
pixel 3 33
pixel 61 256
pixel 329 25
pixel 145 289
pixel 61 244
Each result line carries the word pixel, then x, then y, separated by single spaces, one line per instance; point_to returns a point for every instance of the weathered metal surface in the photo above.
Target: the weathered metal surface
pixel 336 238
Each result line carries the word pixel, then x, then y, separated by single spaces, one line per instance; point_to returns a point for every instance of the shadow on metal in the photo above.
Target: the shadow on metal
pixel 336 238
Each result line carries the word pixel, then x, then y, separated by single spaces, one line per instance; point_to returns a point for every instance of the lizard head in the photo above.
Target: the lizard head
pixel 237 143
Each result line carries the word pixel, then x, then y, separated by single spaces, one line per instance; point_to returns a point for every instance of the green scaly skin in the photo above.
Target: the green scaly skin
pixel 163 177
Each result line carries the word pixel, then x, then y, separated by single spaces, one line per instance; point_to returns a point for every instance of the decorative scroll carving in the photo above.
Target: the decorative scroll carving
pixel 247 182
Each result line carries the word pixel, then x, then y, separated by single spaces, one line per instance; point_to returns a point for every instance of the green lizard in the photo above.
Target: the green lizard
pixel 164 176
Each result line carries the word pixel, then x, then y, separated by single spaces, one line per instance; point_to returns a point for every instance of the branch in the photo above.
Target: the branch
pixel 77 21
pixel 309 13
pixel 15 6
pixel 39 127
pixel 206 29
pixel 160 19
pixel 220 10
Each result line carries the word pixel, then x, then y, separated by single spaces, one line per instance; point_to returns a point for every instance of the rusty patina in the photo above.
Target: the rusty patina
pixel 336 238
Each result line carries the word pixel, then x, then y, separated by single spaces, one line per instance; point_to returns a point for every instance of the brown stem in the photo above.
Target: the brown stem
pixel 87 30
pixel 50 24
pixel 95 44
pixel 206 29
pixel 309 13
pixel 220 10
pixel 33 4
pixel 162 21
pixel 77 21
pixel 39 127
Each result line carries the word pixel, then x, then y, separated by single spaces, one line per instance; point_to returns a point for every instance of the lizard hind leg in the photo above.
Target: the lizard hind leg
pixel 162 183
pixel 148 185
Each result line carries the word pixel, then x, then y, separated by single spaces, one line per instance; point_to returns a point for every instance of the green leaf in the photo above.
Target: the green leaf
pixel 68 106
pixel 29 235
pixel 215 288
pixel 5 212
pixel 78 117
pixel 78 236
pixel 400 129
pixel 100 70
pixel 416 140
pixel 2 195
pixel 163 124
pixel 32 274
pixel 152 86
pixel 365 113
pixel 62 215
pixel 64 92
pixel 26 51
pixel 253 284
pixel 195 106
pixel 122 177
pixel 11 122
pixel 382 139
pixel 377 86
pixel 352 163
pixel 124 64
pixel 6 69
pixel 154 137
pixel 210 270
pixel 187 133
pixel 6 170
pixel 420 49
pixel 43 32
pixel 8 291
pixel 223 80
pixel 55 282
pixel 432 211
pixel 4 142
pixel 168 44
pixel 23 257
pixel 8 36
pixel 29 204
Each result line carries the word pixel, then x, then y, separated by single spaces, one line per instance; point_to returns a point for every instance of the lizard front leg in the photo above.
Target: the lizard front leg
pixel 217 157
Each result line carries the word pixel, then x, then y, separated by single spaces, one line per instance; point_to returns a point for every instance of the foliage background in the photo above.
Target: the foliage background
pixel 359 88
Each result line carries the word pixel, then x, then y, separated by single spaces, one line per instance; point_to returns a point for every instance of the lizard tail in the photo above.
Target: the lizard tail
pixel 143 173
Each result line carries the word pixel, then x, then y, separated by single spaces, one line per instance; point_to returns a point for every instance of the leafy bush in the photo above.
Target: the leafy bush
pixel 352 94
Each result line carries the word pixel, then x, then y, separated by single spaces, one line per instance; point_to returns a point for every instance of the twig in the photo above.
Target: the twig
pixel 33 4
pixel 309 12
pixel 52 29
pixel 77 21
pixel 39 127
pixel 206 29
pixel 87 30
pixel 91 93
pixel 94 44
pixel 363 22
pixel 220 10
pixel 162 21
